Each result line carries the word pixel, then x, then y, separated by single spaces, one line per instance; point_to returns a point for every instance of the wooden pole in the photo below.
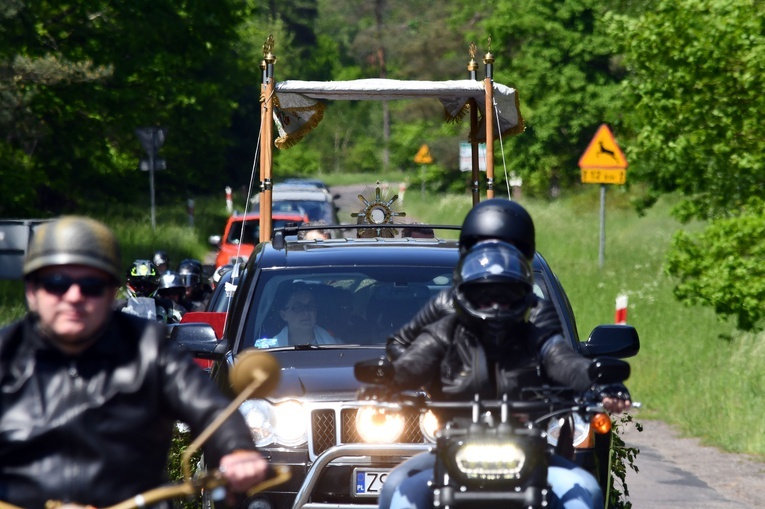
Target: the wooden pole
pixel 266 227
pixel 488 81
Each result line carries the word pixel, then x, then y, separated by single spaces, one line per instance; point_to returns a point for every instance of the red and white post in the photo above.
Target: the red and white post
pixel 229 200
pixel 620 318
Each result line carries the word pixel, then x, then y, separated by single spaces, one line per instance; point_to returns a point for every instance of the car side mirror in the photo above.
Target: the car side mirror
pixel 374 371
pixel 620 341
pixel 214 240
pixel 199 339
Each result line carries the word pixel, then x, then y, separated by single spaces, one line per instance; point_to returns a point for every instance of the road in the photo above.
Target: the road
pixel 679 472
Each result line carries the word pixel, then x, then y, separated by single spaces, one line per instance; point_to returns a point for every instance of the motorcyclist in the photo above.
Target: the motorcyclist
pixel 90 396
pixel 483 347
pixel 198 292
pixel 172 288
pixel 508 221
pixel 141 298
pixel 496 218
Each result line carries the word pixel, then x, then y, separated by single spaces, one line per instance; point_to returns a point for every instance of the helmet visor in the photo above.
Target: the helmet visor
pixel 494 296
pixel 495 261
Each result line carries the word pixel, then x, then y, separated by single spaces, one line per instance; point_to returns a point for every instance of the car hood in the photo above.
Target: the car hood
pixel 321 373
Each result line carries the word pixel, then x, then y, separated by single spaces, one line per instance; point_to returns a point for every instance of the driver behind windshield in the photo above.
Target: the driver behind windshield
pixel 299 315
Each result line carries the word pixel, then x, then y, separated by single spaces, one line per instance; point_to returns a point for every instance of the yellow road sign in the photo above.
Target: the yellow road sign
pixel 423 156
pixel 598 176
pixel 603 152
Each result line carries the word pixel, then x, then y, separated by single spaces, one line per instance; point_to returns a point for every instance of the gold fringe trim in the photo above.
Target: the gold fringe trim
pixel 456 119
pixel 289 140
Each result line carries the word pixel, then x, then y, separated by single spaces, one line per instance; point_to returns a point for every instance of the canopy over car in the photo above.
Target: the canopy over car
pixel 295 108
pixel 298 109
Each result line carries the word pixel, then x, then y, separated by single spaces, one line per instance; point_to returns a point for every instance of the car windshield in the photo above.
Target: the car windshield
pixel 359 305
pixel 251 230
pixel 315 210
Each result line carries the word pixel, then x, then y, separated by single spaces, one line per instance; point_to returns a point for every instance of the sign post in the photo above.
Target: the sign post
pixel 151 139
pixel 603 163
pixel 423 157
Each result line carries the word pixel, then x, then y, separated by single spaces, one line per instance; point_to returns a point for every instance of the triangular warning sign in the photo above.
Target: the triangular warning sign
pixel 603 152
pixel 423 156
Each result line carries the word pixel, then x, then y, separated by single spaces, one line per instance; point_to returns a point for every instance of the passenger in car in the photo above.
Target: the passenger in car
pixel 299 314
pixel 320 233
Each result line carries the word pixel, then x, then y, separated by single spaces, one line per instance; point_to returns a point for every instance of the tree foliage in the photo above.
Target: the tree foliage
pixel 560 58
pixel 696 80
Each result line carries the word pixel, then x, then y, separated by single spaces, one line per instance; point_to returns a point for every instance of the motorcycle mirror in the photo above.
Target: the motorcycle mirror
pixel 608 370
pixel 256 372
pixel 374 371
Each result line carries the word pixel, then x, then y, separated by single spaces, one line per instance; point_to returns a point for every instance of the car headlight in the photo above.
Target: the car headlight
pixel 260 418
pixel 378 425
pixel 581 431
pixel 290 423
pixel 429 425
pixel 284 423
pixel 490 460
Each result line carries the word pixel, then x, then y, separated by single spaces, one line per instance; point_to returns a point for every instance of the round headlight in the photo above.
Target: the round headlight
pixel 377 425
pixel 259 417
pixel 290 423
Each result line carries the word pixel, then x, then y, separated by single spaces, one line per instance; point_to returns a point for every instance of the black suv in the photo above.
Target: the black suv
pixel 362 289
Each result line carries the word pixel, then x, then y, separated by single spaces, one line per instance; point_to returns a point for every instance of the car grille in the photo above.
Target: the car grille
pixel 324 428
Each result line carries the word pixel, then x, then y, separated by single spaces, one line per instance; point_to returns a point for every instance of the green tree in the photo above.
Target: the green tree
pixel 695 80
pixel 695 83
pixel 560 58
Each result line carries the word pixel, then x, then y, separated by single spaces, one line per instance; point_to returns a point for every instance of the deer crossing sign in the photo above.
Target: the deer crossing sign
pixel 603 162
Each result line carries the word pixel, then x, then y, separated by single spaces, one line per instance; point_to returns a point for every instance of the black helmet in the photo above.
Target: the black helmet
pixel 191 270
pixel 142 278
pixel 501 219
pixel 493 285
pixel 171 283
pixel 74 240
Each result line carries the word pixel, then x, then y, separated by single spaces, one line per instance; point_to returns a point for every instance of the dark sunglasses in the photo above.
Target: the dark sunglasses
pixel 59 284
pixel 299 307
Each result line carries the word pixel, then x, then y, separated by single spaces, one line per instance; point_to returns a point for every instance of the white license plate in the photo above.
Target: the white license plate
pixel 368 482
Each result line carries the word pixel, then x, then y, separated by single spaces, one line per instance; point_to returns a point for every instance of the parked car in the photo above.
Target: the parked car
pixel 242 234
pixel 363 289
pixel 317 204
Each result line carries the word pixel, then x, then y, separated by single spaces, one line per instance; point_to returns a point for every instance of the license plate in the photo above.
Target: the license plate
pixel 368 482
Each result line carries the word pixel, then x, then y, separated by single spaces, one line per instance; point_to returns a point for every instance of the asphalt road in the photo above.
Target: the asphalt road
pixel 679 472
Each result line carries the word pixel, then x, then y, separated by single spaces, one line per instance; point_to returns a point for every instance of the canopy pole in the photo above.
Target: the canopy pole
pixel 475 165
pixel 261 152
pixel 267 141
pixel 488 81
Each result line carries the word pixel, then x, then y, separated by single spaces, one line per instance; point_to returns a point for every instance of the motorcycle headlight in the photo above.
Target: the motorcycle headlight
pixel 581 431
pixel 490 460
pixel 284 423
pixel 377 425
pixel 429 425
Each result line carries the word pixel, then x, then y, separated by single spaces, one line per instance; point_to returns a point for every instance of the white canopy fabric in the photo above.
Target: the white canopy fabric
pixel 297 106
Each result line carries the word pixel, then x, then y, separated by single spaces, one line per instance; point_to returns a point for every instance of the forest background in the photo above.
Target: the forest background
pixel 679 81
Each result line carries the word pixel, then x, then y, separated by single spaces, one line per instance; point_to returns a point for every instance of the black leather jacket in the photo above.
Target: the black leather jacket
pixel 96 428
pixel 451 355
